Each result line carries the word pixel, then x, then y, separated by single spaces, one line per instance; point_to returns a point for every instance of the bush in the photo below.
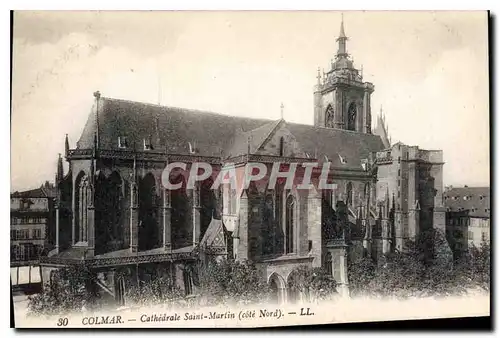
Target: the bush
pixel 315 284
pixel 161 290
pixel 424 268
pixel 360 273
pixel 69 290
pixel 228 281
pixel 475 266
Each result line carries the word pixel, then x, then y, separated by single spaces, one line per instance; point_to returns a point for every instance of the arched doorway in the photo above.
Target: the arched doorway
pixel 148 213
pixel 293 288
pixel 277 285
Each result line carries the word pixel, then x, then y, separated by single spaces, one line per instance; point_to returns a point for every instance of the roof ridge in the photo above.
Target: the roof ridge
pixel 191 110
pixel 334 129
pixel 232 116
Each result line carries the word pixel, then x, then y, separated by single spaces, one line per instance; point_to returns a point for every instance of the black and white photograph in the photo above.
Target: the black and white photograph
pixel 241 169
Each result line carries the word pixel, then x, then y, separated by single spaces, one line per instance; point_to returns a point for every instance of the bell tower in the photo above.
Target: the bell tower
pixel 341 98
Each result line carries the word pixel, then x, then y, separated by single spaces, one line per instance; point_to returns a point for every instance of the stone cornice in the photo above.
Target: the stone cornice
pixel 96 262
pixel 153 156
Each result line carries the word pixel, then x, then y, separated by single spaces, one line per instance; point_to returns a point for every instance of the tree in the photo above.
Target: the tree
pixel 475 266
pixel 161 290
pixel 228 281
pixel 424 268
pixel 70 289
pixel 361 272
pixel 314 283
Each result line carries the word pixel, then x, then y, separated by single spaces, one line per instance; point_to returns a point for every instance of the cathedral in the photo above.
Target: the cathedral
pixel 114 213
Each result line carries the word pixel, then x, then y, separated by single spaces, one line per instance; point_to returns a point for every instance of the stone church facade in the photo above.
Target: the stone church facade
pixel 114 213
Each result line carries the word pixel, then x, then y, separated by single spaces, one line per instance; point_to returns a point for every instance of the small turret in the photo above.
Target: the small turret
pixel 66 146
pixel 60 170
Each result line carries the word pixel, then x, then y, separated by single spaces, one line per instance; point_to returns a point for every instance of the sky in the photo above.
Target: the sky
pixel 430 71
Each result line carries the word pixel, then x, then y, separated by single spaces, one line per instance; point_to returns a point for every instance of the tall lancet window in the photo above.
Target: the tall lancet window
pixel 329 115
pixel 289 225
pixel 83 200
pixel 351 117
pixel 349 194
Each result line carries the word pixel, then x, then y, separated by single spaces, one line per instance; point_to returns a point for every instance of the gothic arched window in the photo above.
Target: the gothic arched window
pixel 282 146
pixel 349 194
pixel 289 226
pixel 351 117
pixel 328 264
pixel 329 123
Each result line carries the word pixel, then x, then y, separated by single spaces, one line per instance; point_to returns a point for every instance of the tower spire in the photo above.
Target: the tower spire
pixel 342 32
pixel 342 51
pixel 282 107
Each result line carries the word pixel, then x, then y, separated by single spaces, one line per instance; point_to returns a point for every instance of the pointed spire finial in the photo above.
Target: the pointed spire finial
pixel 319 76
pixel 282 110
pixel 342 31
pixel 342 50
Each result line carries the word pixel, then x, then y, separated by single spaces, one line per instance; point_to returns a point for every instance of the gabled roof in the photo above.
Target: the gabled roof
pixel 214 134
pixel 45 191
pixel 215 235
pixel 474 199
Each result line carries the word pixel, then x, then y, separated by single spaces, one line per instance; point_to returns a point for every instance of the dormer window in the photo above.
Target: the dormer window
pixel 342 160
pixel 122 142
pixel 148 145
pixel 192 148
pixel 25 203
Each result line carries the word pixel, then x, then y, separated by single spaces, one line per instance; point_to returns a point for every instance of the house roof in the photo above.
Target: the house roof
pixel 215 134
pixel 474 199
pixel 45 191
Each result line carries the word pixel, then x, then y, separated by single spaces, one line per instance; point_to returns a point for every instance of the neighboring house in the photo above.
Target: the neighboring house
pixel 467 217
pixel 32 216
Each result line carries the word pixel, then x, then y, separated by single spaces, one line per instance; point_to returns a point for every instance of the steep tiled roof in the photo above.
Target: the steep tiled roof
pixel 351 146
pixel 173 127
pixel 474 199
pixel 211 134
pixel 215 234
